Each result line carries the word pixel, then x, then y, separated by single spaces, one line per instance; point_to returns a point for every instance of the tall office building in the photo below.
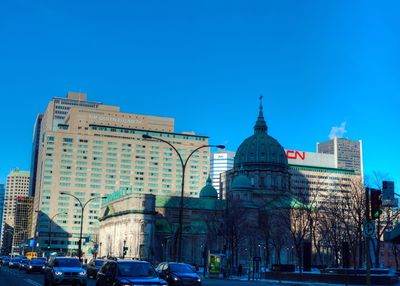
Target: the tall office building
pixel 17 185
pixel 221 161
pixel 89 149
pixel 348 153
pixel 22 222
pixel 2 193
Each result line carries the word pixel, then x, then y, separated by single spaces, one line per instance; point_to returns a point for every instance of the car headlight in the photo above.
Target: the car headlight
pixel 176 278
pixel 58 273
pixel 82 273
pixel 198 280
pixel 43 267
pixel 126 284
pixel 30 266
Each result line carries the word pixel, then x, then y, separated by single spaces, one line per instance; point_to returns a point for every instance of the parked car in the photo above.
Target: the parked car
pixel 178 274
pixel 23 263
pixel 14 262
pixel 93 267
pixel 128 272
pixel 36 265
pixel 64 270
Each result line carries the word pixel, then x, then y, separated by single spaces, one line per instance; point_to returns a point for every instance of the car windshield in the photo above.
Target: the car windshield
pixel 136 269
pixel 99 262
pixel 180 268
pixel 67 262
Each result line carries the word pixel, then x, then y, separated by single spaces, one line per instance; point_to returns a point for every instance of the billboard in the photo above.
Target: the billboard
pixel 311 159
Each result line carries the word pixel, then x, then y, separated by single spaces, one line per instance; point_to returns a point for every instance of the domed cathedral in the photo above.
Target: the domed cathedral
pixel 257 193
pixel 262 159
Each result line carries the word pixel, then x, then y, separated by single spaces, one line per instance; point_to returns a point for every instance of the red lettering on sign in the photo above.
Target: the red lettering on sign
pixel 291 154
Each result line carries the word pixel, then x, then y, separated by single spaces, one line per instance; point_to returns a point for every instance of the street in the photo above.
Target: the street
pixel 14 277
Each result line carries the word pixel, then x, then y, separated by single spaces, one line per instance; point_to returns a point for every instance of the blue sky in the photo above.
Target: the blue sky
pixel 318 64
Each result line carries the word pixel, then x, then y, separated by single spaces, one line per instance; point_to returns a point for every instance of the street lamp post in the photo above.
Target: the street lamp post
pixel 82 205
pixel 50 223
pixel 183 165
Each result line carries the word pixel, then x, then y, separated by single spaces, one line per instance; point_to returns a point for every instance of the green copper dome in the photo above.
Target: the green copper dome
pixel 260 148
pixel 241 183
pixel 208 191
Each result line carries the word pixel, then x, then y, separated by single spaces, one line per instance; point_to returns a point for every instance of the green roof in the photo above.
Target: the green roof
pixel 285 202
pixel 19 173
pixel 324 169
pixel 190 203
pixel 208 191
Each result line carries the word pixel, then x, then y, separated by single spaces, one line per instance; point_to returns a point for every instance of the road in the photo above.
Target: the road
pixel 14 277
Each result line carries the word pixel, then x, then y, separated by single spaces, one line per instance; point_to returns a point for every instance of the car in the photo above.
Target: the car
pixel 14 262
pixel 93 267
pixel 23 264
pixel 6 260
pixel 36 265
pixel 64 270
pixel 128 272
pixel 178 274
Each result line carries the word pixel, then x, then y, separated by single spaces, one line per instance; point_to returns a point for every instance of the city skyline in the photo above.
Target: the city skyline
pixel 332 68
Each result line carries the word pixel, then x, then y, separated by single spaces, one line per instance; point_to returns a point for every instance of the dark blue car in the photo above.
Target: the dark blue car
pixel 178 274
pixel 128 272
pixel 36 265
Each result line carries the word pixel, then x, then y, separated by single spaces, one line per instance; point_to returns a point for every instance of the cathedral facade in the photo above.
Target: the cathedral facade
pixel 250 219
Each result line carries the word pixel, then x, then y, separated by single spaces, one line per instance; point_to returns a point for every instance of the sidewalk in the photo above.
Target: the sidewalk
pixel 283 282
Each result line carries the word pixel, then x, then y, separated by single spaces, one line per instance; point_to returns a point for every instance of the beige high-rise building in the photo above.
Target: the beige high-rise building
pixel 348 153
pixel 92 149
pixel 17 185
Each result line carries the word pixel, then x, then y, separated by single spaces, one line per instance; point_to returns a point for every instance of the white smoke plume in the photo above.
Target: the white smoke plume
pixel 338 131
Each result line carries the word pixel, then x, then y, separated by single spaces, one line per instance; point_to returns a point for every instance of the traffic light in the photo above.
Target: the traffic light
pixel 376 203
pixel 125 250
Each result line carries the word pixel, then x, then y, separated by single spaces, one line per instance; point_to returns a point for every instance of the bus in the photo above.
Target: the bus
pixel 31 254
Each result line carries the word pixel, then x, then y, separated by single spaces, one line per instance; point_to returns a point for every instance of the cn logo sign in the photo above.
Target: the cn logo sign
pixel 291 154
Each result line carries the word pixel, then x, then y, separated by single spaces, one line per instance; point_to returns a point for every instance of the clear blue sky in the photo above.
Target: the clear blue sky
pixel 317 63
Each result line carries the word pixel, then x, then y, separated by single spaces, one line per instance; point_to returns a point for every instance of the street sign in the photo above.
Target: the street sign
pixel 369 229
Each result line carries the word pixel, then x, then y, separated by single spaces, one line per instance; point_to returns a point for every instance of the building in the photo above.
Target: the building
pixel 221 161
pixel 22 223
pixel 2 193
pixel 266 197
pixel 17 185
pixel 234 224
pixel 89 149
pixel 316 175
pixel 146 224
pixel 35 152
pixel 348 153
